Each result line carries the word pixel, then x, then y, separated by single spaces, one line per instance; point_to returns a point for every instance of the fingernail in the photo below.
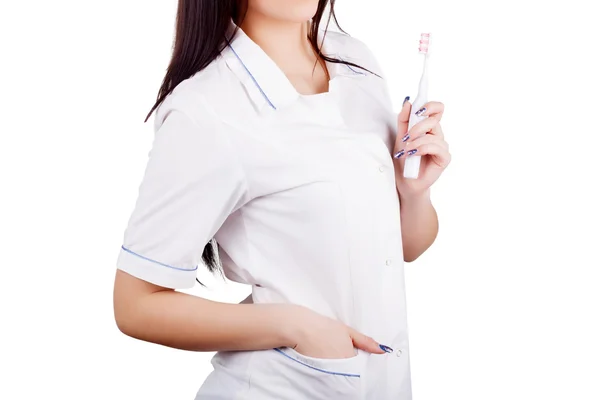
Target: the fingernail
pixel 405 138
pixel 386 348
pixel 407 98
pixel 399 154
pixel 413 151
pixel 419 112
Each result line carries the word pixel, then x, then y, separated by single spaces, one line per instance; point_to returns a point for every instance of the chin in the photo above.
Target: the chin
pixel 285 10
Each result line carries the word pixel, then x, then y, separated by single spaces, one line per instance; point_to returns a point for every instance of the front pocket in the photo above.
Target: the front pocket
pixel 349 367
pixel 285 374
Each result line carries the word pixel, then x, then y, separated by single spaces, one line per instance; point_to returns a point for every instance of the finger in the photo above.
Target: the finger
pixel 431 108
pixel 420 129
pixel 425 139
pixel 415 144
pixel 403 117
pixel 437 130
pixel 439 154
pixel 366 343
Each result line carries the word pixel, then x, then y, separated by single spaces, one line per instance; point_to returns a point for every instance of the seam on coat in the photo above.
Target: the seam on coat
pixel 252 77
pixel 158 262
pixel 317 369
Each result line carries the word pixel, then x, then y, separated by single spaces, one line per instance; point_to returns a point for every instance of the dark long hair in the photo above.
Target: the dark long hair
pixel 200 36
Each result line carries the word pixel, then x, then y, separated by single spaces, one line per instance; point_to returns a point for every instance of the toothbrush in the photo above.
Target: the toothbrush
pixel 413 162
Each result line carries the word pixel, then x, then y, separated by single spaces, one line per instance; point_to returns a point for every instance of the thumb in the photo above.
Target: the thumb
pixel 403 117
pixel 366 343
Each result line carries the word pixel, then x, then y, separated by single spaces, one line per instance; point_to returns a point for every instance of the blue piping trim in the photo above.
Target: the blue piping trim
pixel 253 79
pixel 317 369
pixel 355 71
pixel 156 262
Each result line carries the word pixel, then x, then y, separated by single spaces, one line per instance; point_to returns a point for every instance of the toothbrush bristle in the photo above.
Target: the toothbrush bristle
pixel 424 43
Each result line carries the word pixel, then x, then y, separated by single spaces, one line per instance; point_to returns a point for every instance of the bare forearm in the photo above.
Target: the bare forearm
pixel 188 322
pixel 419 225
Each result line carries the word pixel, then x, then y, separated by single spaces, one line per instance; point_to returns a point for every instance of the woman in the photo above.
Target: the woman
pixel 276 138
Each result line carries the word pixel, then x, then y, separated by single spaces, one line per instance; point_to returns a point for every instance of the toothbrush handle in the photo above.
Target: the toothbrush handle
pixel 412 165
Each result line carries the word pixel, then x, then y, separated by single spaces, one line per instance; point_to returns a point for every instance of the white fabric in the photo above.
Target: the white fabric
pixel 299 192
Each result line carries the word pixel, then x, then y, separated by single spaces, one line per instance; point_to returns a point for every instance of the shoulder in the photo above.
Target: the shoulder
pixel 188 98
pixel 186 121
pixel 197 97
pixel 349 48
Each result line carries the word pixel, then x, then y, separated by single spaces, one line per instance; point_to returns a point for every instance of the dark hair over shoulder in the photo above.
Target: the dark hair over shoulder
pixel 200 36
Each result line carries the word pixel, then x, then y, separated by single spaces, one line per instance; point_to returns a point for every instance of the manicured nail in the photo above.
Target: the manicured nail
pixel 386 348
pixel 407 98
pixel 421 111
pixel 405 138
pixel 413 151
pixel 399 154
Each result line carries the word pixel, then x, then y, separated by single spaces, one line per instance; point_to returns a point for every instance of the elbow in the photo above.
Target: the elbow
pixel 411 255
pixel 408 258
pixel 124 318
pixel 414 251
pixel 127 300
pixel 130 304
pixel 123 323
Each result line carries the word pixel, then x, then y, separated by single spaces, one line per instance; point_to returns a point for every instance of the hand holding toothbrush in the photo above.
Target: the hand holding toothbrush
pixel 420 136
pixel 425 139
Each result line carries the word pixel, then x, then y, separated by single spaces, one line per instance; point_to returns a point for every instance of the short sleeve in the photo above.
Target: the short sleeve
pixel 192 182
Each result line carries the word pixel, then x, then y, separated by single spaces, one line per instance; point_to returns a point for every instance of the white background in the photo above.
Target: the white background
pixel 505 305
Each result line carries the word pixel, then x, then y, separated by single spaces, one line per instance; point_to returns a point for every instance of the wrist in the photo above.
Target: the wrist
pixel 423 197
pixel 288 324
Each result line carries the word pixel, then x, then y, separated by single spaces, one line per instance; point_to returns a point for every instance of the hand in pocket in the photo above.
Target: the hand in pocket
pixel 323 337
